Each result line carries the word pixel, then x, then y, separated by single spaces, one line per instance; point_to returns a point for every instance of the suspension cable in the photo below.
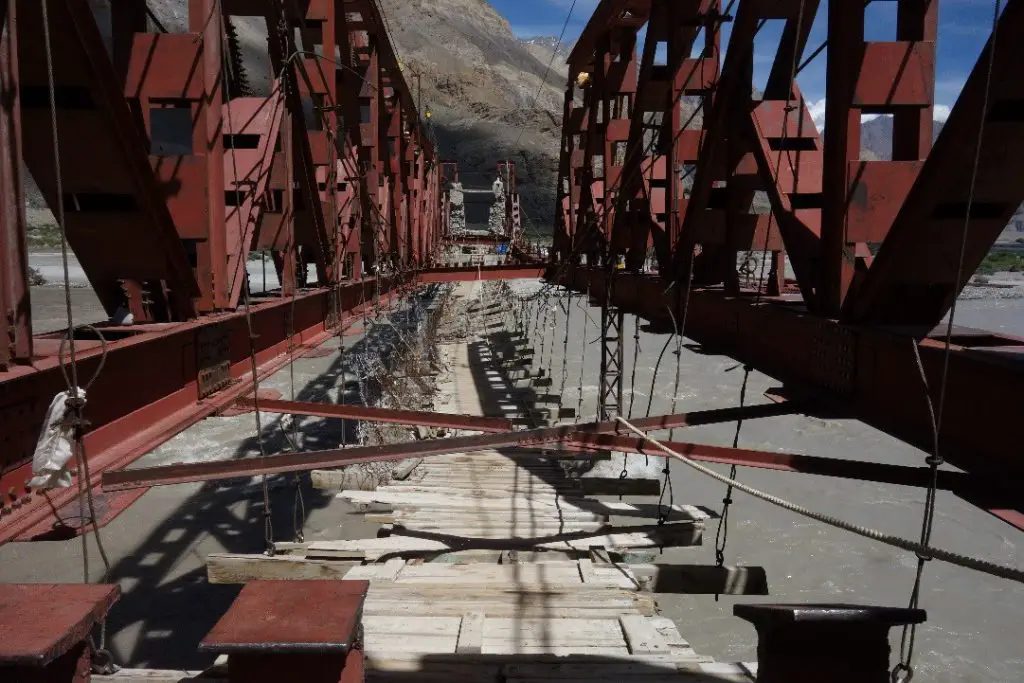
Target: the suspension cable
pixel 904 670
pixel 977 564
pixel 268 524
pixel 101 660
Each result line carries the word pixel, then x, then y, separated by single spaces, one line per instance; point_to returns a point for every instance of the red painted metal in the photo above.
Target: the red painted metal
pixel 127 424
pixel 369 414
pixel 189 170
pixel 44 630
pixel 15 308
pixel 915 276
pixel 292 630
pixel 862 197
pixel 506 272
pixel 869 374
pixel 788 462
pixel 295 462
pixel 298 462
pixel 620 195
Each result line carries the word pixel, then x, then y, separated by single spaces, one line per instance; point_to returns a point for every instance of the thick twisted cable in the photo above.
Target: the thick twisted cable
pixel 965 561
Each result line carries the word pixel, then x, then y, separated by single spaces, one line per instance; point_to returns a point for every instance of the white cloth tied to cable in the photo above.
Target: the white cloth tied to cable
pixel 55 446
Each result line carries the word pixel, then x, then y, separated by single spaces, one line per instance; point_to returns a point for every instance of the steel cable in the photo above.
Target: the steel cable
pixel 984 566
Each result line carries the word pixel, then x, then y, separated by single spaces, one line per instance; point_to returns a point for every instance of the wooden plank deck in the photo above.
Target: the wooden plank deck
pixel 483 570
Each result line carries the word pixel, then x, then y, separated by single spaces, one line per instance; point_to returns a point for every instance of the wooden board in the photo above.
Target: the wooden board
pixel 234 568
pixel 668 535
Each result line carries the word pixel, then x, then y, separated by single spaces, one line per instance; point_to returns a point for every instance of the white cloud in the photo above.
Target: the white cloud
pixel 817 112
pixel 941 112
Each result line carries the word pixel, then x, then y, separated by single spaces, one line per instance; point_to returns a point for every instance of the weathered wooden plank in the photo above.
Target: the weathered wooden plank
pixel 385 635
pixel 667 535
pixel 386 571
pixel 232 568
pixel 613 486
pixel 156 676
pixel 349 479
pixel 471 633
pixel 417 497
pixel 641 636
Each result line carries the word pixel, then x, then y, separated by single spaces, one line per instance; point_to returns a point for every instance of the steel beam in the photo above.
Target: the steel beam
pixel 917 272
pixel 295 462
pixel 507 272
pixel 45 630
pixel 901 475
pixel 15 305
pixel 369 414
pixel 298 462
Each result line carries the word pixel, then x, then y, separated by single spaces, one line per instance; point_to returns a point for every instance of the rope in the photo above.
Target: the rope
pixel 984 566
pixel 102 660
pixel 268 525
pixel 904 671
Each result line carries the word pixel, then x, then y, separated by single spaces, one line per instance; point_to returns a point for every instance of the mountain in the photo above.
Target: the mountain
pixel 549 50
pixel 492 98
pixel 876 136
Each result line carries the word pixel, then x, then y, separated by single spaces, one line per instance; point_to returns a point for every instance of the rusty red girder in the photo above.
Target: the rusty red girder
pixel 664 160
pixel 293 462
pixel 370 414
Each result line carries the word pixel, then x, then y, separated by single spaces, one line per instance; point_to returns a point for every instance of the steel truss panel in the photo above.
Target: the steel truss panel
pixel 917 273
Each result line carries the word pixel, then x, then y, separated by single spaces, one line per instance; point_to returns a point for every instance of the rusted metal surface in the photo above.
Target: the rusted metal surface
pixel 292 630
pixel 41 622
pixel 290 616
pixel 370 414
pixel 845 643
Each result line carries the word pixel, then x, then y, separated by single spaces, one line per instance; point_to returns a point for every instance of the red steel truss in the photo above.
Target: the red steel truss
pixel 660 164
pixel 173 170
pixel 667 172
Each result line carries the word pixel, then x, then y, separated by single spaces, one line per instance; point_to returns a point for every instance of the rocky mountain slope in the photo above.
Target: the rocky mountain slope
pixel 876 136
pixel 492 96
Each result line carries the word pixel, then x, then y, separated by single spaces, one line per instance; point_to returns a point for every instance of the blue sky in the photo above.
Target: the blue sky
pixel 964 26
